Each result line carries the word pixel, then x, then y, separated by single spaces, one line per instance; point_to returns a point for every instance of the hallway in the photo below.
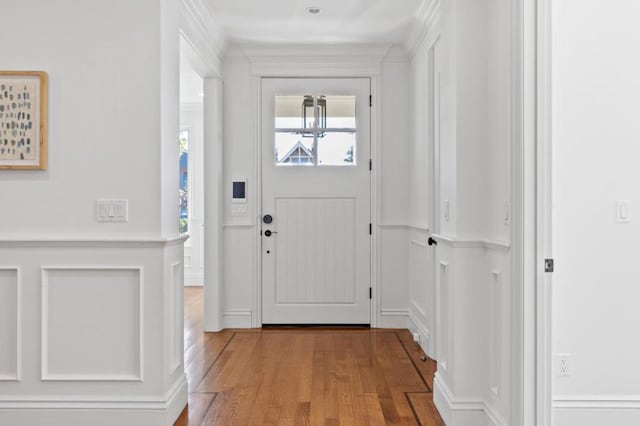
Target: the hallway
pixel 304 376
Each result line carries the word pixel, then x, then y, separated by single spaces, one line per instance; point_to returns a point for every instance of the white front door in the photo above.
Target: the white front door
pixel 316 255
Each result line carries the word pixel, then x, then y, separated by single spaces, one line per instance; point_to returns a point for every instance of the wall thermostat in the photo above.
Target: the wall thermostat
pixel 239 192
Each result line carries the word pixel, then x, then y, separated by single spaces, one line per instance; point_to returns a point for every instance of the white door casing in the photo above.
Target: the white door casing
pixel 316 264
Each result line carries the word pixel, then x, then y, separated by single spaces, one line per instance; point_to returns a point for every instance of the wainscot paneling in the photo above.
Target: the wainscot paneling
pixel 10 323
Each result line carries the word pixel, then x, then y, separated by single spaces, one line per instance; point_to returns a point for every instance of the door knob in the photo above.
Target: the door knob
pixel 267 218
pixel 268 233
pixel 432 242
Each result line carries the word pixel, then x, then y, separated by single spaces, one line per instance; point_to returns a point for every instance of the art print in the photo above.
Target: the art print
pixel 23 114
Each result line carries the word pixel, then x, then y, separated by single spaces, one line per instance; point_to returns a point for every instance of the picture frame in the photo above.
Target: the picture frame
pixel 23 120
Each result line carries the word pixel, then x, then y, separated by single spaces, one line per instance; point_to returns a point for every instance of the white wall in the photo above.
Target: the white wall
pixel 460 291
pixel 74 289
pixel 240 274
pixel 595 132
pixel 104 122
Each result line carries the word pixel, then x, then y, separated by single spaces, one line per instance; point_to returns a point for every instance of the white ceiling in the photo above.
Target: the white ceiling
pixel 341 21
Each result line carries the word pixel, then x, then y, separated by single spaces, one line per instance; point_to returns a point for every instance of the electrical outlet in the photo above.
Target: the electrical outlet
pixel 416 337
pixel 564 365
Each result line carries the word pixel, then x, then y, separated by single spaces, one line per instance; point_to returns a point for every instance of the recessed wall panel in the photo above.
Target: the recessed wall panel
pixel 92 323
pixel 9 324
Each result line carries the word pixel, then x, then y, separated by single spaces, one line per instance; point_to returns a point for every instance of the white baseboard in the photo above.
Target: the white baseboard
pixel 592 410
pixel 416 326
pixel 393 318
pixel 463 412
pixel 193 280
pixel 81 411
pixel 237 318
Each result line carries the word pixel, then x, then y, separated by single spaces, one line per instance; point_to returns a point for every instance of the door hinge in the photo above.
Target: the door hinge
pixel 370 293
pixel 548 265
pixel 370 164
pixel 370 101
pixel 370 229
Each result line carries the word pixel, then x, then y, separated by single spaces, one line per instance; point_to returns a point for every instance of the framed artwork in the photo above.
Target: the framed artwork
pixel 23 120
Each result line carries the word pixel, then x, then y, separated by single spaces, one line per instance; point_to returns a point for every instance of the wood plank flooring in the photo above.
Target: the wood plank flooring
pixel 304 376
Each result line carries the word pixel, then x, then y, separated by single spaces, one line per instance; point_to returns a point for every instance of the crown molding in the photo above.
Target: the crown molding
pixel 427 14
pixel 257 53
pixel 202 32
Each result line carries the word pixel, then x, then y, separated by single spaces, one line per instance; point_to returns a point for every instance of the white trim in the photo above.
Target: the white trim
pixel 83 402
pixel 238 318
pixel 428 16
pixel 96 242
pixel 237 312
pixel 199 29
pixel 423 330
pixel 175 337
pixel 44 342
pixel 399 227
pixel 419 244
pixel 274 67
pixel 419 228
pixel 494 415
pixel 544 194
pixel 317 67
pixel 194 279
pixel 18 376
pixel 449 406
pixel 496 321
pixel 256 157
pixel 320 53
pixel 631 402
pixel 484 244
pixel 375 187
pixel 394 312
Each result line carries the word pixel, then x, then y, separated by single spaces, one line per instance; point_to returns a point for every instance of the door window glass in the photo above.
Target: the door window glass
pixel 315 130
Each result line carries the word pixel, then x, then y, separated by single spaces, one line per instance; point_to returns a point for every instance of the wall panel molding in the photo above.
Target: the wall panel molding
pixel 480 244
pixel 93 242
pixel 17 374
pixel 495 332
pixel 46 374
pixel 175 323
pixel 444 316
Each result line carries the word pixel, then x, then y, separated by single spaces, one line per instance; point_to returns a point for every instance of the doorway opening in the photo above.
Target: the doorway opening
pixel 191 182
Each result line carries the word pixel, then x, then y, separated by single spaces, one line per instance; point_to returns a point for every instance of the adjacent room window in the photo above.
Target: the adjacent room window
pixel 315 130
pixel 183 198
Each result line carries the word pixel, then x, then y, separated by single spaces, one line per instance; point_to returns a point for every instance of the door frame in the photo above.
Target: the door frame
pixel 328 67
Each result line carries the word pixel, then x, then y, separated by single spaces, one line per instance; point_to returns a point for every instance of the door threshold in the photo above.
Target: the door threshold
pixel 317 326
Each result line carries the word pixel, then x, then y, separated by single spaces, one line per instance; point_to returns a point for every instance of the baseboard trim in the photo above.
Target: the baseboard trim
pixel 392 318
pixel 416 325
pixel 597 402
pixel 237 318
pixel 463 412
pixel 193 280
pixel 78 410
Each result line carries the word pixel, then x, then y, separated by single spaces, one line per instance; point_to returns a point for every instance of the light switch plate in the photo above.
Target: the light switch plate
pixel 623 211
pixel 112 210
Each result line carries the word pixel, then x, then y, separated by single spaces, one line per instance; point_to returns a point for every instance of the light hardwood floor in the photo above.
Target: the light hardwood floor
pixel 304 376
